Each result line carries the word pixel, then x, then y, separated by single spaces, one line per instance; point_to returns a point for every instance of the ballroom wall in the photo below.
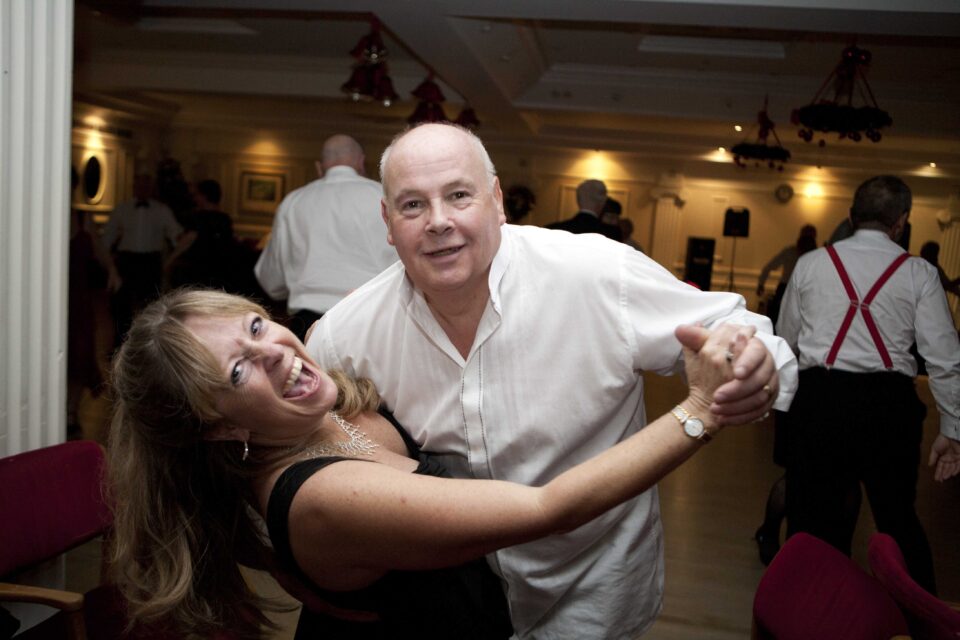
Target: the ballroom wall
pixel 238 140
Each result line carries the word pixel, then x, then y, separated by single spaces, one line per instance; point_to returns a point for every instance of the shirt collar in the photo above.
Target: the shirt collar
pixel 499 265
pixel 873 236
pixel 340 170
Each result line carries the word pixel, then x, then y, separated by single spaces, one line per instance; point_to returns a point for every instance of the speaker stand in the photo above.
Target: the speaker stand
pixel 733 259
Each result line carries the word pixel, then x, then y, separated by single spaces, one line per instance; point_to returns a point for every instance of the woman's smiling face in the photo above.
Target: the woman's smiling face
pixel 274 391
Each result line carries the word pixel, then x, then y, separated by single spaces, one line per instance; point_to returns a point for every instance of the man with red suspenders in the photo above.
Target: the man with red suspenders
pixel 851 312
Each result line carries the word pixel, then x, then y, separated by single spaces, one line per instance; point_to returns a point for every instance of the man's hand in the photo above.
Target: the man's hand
pixel 755 385
pixel 945 458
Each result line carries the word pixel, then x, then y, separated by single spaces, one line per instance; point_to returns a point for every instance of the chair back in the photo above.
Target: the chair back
pixel 811 590
pixel 928 616
pixel 51 500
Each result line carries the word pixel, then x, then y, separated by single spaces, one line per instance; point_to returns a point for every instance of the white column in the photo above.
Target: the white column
pixel 36 48
pixel 668 201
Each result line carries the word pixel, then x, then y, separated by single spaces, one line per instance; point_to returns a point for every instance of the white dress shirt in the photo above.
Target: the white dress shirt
pixel 328 238
pixel 553 378
pixel 141 229
pixel 911 306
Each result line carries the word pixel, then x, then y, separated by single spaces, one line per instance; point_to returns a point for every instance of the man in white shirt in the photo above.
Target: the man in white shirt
pixel 327 237
pixel 516 352
pixel 851 311
pixel 140 231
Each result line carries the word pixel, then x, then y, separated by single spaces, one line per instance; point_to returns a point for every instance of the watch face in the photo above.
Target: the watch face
pixel 693 427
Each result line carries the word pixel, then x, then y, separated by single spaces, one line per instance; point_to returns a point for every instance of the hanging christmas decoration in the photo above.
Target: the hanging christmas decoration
pixel 369 79
pixel 774 155
pixel 429 109
pixel 467 118
pixel 839 114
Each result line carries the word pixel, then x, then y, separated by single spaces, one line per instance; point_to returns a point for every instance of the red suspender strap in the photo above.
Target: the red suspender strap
pixel 851 311
pixel 864 307
pixel 868 317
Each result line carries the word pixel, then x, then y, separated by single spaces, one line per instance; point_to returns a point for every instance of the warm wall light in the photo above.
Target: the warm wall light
pixel 737 128
pixel 813 190
pixel 722 149
pixel 933 165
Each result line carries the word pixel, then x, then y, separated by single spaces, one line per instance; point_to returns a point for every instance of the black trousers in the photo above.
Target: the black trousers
pixel 851 428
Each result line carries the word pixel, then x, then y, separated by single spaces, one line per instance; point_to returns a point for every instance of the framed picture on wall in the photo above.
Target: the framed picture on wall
pixel 261 192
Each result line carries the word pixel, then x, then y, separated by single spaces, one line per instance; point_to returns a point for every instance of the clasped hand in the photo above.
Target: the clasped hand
pixel 730 370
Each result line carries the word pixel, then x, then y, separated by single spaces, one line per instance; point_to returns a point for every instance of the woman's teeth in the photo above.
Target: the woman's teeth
pixel 294 374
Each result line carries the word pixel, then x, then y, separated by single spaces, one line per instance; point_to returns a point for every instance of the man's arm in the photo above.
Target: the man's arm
pixel 269 269
pixel 938 344
pixel 775 262
pixel 764 367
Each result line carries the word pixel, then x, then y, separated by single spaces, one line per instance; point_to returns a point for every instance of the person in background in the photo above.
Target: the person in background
pixel 327 237
pixel 206 253
pixel 460 339
pixel 612 210
pixel 140 231
pixel 786 260
pixel 591 198
pixel 626 228
pixel 930 252
pixel 91 271
pixel 851 312
pixel 518 202
pixel 220 412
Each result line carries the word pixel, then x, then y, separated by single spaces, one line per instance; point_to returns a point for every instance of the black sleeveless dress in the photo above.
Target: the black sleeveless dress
pixel 464 602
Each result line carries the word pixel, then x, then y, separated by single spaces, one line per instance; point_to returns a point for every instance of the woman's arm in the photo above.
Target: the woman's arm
pixel 355 520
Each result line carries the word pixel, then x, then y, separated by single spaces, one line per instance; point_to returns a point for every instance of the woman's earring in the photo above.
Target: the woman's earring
pixel 246 451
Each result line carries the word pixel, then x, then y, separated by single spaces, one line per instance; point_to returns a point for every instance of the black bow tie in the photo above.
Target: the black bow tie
pixel 143 203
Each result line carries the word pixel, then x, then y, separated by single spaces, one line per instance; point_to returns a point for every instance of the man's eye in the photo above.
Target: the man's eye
pixel 235 374
pixel 256 326
pixel 410 205
pixel 459 195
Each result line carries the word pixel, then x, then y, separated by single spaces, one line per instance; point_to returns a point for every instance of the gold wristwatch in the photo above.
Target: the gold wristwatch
pixel 692 425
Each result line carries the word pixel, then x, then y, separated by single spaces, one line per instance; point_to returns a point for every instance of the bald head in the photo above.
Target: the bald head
pixel 424 136
pixel 342 150
pixel 592 195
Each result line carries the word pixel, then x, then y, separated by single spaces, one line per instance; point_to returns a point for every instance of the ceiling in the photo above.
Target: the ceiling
pixel 623 74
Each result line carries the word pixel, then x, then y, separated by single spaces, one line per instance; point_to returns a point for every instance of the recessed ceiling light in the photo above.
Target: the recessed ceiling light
pixel 737 127
pixel 195 25
pixel 713 46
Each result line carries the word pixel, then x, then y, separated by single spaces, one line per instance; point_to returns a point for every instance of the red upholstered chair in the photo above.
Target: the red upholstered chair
pixel 51 500
pixel 811 590
pixel 929 617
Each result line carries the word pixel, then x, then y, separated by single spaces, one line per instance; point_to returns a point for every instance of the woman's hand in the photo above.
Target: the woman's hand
pixel 708 367
pixel 750 382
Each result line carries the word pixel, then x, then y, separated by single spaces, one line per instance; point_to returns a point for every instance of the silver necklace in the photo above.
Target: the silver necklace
pixel 359 444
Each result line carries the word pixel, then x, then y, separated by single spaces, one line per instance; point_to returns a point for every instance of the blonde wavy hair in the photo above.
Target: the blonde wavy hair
pixel 182 519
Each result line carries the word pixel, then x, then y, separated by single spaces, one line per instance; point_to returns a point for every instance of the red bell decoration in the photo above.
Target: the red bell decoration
pixel 467 118
pixel 429 109
pixel 369 79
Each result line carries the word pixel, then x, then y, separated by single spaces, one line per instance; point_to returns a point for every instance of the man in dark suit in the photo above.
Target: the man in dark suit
pixel 591 198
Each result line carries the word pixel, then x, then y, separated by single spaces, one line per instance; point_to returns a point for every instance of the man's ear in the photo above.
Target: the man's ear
pixel 224 431
pixel 386 221
pixel 899 226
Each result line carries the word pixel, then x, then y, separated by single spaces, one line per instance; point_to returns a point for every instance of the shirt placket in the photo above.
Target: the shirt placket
pixel 471 406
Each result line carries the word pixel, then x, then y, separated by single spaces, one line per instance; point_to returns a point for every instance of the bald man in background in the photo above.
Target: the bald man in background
pixel 328 237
